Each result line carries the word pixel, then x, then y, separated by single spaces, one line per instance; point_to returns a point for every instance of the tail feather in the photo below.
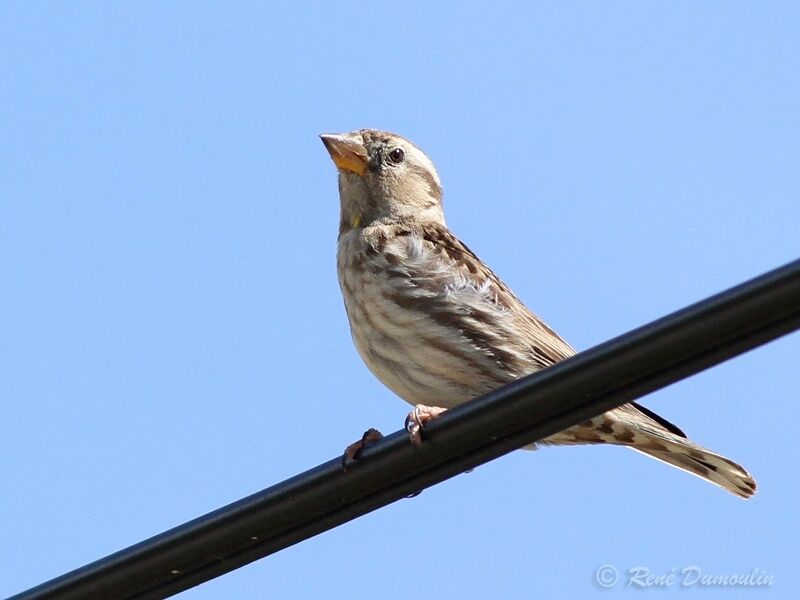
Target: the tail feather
pixel 695 459
pixel 639 428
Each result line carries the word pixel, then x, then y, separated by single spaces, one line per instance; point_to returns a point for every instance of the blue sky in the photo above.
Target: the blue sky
pixel 171 332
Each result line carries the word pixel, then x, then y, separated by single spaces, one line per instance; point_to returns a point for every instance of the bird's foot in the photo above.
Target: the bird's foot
pixel 353 450
pixel 417 418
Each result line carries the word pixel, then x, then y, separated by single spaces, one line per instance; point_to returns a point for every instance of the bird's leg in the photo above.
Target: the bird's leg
pixel 351 453
pixel 417 418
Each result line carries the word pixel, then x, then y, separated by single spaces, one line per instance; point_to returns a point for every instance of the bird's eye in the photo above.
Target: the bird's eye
pixel 397 155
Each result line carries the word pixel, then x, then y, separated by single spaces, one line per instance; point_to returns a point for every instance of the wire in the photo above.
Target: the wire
pixel 534 407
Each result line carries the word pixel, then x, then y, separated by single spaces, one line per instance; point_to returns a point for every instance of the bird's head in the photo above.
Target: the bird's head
pixel 382 175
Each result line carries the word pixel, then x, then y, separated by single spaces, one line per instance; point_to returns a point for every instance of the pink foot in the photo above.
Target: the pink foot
pixel 353 450
pixel 417 418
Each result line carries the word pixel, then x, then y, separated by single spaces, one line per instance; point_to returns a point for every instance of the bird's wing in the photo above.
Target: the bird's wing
pixel 544 345
pixel 435 273
pixel 445 279
pixel 652 416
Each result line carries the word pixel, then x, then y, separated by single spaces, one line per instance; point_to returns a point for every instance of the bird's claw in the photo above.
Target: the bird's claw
pixel 352 452
pixel 417 418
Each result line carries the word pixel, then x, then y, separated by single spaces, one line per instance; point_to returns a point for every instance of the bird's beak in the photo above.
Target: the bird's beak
pixel 347 151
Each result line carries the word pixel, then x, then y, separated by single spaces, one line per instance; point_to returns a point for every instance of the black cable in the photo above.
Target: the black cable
pixel 588 384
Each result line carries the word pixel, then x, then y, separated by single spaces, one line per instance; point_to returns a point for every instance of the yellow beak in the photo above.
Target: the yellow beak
pixel 347 152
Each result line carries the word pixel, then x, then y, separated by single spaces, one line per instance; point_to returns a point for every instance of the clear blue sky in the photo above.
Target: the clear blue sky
pixel 171 332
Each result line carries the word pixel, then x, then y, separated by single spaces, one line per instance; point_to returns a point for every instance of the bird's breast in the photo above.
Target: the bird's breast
pixel 399 334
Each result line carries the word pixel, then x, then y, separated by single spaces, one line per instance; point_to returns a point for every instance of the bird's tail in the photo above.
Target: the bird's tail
pixel 693 458
pixel 638 427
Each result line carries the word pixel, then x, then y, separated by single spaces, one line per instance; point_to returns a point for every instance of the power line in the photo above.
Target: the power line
pixel 590 383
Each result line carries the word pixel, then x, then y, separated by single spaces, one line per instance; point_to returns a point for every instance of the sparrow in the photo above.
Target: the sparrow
pixel 436 326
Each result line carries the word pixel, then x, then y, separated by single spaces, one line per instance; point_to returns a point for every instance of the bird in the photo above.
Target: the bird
pixel 435 324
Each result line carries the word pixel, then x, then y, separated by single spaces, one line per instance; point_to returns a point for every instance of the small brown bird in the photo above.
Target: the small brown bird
pixel 437 326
